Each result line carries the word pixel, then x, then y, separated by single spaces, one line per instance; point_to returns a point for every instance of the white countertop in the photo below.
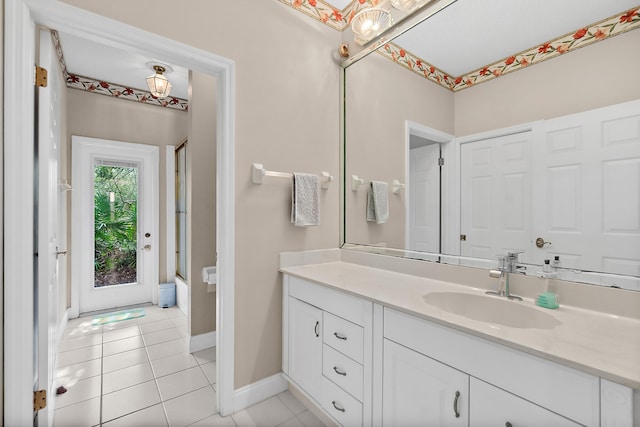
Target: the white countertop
pixel 602 344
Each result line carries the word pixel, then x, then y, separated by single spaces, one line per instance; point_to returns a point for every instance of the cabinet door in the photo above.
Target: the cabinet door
pixel 491 406
pixel 418 390
pixel 305 346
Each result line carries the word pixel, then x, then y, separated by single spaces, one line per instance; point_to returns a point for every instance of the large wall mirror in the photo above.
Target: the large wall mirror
pixel 493 136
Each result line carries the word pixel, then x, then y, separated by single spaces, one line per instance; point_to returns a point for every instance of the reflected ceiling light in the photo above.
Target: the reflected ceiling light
pixel 158 84
pixel 405 5
pixel 369 22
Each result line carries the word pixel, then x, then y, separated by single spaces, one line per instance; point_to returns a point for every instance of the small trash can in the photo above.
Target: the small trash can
pixel 167 296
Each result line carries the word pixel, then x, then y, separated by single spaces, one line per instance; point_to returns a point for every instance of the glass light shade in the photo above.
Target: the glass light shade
pixel 405 5
pixel 158 84
pixel 369 22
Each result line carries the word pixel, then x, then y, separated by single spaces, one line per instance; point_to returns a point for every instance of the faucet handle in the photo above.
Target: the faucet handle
pixel 514 255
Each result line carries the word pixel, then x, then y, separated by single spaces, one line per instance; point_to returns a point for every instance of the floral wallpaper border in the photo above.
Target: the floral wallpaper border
pixel 341 19
pixel 89 84
pixel 615 25
pixel 331 16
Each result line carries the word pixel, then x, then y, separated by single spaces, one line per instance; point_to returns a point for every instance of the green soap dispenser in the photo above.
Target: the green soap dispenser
pixel 549 298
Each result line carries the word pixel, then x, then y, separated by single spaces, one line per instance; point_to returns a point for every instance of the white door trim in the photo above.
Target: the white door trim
pixel 19 57
pixel 84 152
pixel 170 208
pixel 417 129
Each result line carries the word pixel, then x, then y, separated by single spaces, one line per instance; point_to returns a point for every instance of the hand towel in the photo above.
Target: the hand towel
pixel 378 202
pixel 305 198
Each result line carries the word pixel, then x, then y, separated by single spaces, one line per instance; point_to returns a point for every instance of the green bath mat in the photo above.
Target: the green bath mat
pixel 117 316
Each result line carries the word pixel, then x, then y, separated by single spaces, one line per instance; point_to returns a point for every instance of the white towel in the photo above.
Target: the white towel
pixel 305 198
pixel 378 202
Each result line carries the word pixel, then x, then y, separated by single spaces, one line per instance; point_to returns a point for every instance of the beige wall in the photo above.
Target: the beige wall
pixel 602 74
pixel 287 117
pixel 381 96
pixel 99 116
pixel 201 199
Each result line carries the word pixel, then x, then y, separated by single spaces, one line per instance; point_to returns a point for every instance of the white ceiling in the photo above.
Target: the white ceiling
pixel 101 62
pixel 465 36
pixel 470 34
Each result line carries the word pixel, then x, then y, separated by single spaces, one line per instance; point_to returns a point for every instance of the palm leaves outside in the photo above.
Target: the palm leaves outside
pixel 116 218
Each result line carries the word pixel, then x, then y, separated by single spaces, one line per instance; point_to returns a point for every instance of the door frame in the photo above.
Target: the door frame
pixel 442 138
pixel 20 19
pixel 84 152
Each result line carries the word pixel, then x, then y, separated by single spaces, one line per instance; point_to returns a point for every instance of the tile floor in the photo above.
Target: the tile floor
pixel 138 372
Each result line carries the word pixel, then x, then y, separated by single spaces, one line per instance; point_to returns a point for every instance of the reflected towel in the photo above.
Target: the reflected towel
pixel 305 198
pixel 378 202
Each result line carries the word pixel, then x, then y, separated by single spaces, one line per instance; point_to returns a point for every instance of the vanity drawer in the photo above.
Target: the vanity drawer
pixel 344 336
pixel 340 405
pixel 342 371
pixel 354 309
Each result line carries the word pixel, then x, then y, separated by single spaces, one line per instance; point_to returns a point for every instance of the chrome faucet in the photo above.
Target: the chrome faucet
pixel 506 265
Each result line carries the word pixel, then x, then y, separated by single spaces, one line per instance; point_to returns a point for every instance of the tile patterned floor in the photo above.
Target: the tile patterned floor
pixel 138 372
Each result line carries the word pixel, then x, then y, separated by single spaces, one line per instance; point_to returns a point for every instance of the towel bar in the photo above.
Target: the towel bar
pixel 258 172
pixel 357 182
pixel 397 186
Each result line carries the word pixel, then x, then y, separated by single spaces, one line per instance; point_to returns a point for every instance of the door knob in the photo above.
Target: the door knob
pixel 540 242
pixel 146 248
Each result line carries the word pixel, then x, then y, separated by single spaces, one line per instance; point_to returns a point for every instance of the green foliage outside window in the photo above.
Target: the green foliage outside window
pixel 116 218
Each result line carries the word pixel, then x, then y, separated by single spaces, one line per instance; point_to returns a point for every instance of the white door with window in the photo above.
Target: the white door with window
pixel 114 224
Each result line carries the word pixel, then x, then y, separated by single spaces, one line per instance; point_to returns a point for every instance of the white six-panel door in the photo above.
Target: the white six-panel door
pixel 587 191
pixel 573 181
pixel 424 199
pixel 495 199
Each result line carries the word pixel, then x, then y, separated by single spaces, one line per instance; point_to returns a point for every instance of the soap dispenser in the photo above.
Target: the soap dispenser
pixel 549 298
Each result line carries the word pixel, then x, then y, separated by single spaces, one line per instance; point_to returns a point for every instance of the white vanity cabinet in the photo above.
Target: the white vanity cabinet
pixel 551 394
pixel 327 339
pixel 367 364
pixel 305 346
pixel 418 390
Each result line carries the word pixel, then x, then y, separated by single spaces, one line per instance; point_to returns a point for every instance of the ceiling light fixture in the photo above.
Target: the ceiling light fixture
pixel 369 22
pixel 158 84
pixel 405 5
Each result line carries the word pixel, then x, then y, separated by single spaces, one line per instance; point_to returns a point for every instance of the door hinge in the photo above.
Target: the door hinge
pixel 463 237
pixel 440 161
pixel 39 400
pixel 41 77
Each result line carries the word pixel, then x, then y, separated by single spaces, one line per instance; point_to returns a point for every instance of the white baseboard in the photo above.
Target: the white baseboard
pixel 259 391
pixel 62 326
pixel 202 341
pixel 182 296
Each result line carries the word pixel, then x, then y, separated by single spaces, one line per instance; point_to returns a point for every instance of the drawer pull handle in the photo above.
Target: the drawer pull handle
pixel 340 336
pixel 337 407
pixel 315 329
pixel 339 371
pixel 455 405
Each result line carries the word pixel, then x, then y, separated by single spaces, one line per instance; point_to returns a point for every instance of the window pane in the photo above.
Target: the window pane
pixel 116 225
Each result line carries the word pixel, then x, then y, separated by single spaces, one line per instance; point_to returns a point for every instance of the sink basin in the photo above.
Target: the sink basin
pixel 492 309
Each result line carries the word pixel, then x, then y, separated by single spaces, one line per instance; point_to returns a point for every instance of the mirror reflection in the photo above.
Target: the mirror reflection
pixel 530 155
